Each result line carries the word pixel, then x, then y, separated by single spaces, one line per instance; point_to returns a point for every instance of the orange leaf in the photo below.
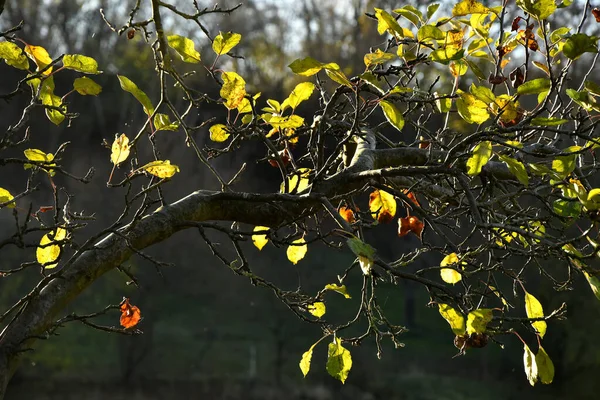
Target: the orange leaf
pixel 130 315
pixel 412 198
pixel 347 214
pixel 410 224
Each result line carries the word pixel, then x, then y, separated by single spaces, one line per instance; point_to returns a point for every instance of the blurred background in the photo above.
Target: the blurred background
pixel 207 332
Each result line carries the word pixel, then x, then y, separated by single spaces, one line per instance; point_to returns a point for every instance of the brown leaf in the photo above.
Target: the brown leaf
pixel 496 79
pixel 596 14
pixel 517 77
pixel 130 34
pixel 347 214
pixel 410 224
pixel 130 315
pixel 412 197
pixel 423 144
pixel 515 24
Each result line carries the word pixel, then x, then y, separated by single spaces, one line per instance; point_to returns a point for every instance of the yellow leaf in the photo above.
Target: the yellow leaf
pixel 5 197
pixel 224 42
pixel 47 253
pixel 185 48
pixel 471 109
pixel 290 121
pixel 366 264
pixel 297 250
pixel 129 86
pixel 379 57
pixel 534 309
pixel 477 320
pixel 481 155
pixel 455 318
pixel 233 89
pixel 13 56
pixel 545 366
pixel 301 92
pixel 40 57
pixel 317 309
pixel 119 149
pixel 339 360
pixel 161 169
pixel 218 133
pixel 507 107
pixel 466 7
pixel 450 275
pixel 40 156
pixel 339 289
pixel 392 114
pixel 260 240
pixel 387 23
pixel 306 66
pixel 531 369
pixel 306 359
pixel 382 205
pixel 298 182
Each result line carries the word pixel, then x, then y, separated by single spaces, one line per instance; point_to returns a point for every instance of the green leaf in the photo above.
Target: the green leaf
pixel 540 9
pixel 477 320
pixel 218 133
pixel 447 54
pixel 301 92
pixel 564 165
pixel 534 309
pixel 566 208
pixel 545 367
pixel 411 14
pixel 233 89
pixel 185 48
pixel 471 109
pixel 431 9
pixel 516 168
pixel 224 42
pixel 317 309
pixel 341 289
pixel 306 359
pixel 86 86
pixel 13 55
pixel 306 66
pixel 534 86
pixel 392 114
pixel 483 93
pixel 360 248
pixel 578 44
pixel 466 7
pixel 337 75
pixel 530 365
pixel 5 197
pixel 48 98
pixel 430 32
pixel 128 86
pixel 481 155
pixel 594 283
pixel 162 122
pixel 80 63
pixel 542 121
pixel 339 360
pixel 583 98
pixel 454 317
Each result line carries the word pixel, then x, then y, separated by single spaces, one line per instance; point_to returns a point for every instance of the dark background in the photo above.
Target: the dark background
pixel 207 332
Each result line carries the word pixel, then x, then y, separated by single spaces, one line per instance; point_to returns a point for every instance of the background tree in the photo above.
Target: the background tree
pixel 491 186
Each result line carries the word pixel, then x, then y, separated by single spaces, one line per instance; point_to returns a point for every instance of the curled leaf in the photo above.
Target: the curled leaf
pixel 130 315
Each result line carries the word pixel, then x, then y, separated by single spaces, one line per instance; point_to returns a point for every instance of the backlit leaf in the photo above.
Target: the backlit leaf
pixel 260 240
pixel 128 86
pixel 480 156
pixel 40 57
pixel 530 365
pixel 341 289
pixel 224 42
pixel 5 197
pixel 387 23
pixel 534 309
pixel 297 250
pixel 317 309
pixel 47 252
pixel 339 360
pixel 466 7
pixel 185 48
pixel 218 133
pixel 534 86
pixel 13 55
pixel 130 315
pixel 578 44
pixel 477 320
pixel 454 317
pixel 86 86
pixel 378 57
pixel 233 89
pixel 306 359
pixel 542 121
pixel 382 205
pixel 301 92
pixel 161 169
pixel 80 63
pixel 298 182
pixel 540 9
pixel 306 66
pixel 392 114
pixel 450 275
pixel 471 109
pixel 119 149
pixel 162 122
pixel 516 168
